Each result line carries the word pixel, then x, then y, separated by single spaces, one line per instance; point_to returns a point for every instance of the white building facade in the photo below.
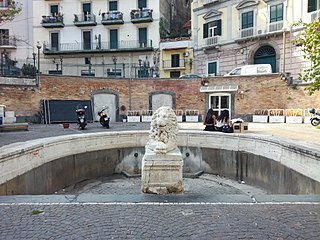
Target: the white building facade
pixel 102 38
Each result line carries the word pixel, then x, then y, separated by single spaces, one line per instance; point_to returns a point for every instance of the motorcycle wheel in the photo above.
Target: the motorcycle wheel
pixel 101 122
pixel 315 122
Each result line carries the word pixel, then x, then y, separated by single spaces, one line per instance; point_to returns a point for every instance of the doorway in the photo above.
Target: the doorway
pixel 266 55
pixel 219 102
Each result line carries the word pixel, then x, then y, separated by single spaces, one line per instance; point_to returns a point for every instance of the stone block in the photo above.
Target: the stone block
pixel 162 173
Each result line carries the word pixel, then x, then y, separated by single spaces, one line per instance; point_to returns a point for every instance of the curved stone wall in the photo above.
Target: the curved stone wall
pixel 45 165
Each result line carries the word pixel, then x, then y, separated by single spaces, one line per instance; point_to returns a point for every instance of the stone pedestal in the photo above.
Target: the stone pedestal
pixel 162 173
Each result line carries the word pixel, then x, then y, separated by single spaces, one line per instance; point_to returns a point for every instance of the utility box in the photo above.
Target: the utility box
pixel 240 127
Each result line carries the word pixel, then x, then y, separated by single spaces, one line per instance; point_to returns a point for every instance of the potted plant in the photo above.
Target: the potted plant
pixel 260 116
pixel 179 114
pixel 276 115
pixel 133 116
pixel 294 115
pixel 123 115
pixel 192 115
pixel 146 115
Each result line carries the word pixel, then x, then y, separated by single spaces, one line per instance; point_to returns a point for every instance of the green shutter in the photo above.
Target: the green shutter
pixel 205 30
pixel 218 33
pixel 142 35
pixel 312 5
pixel 212 68
pixel 113 38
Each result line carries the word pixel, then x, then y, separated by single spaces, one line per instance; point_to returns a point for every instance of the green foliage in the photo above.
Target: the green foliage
pixel 8 13
pixel 309 41
pixel 28 70
pixel 163 28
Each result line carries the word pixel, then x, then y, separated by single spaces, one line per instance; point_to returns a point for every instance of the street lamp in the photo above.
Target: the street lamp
pixel 114 59
pixel 34 59
pixel 39 47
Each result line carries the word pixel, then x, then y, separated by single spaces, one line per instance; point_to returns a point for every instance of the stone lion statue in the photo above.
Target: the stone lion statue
pixel 163 131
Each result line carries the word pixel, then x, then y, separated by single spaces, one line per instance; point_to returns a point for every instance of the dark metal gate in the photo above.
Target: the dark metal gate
pixel 64 111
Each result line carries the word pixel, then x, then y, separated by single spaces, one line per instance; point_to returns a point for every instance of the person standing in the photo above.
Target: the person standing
pixel 222 119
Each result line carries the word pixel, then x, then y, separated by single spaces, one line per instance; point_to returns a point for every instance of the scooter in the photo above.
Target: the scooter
pixel 81 117
pixel 104 118
pixel 315 119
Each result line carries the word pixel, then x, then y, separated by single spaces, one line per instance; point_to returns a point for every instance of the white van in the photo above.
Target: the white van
pixel 251 70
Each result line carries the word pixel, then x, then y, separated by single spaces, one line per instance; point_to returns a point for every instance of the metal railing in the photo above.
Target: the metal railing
pixel 112 15
pixel 275 26
pixel 141 13
pixel 8 42
pixel 205 2
pixel 181 63
pixel 247 32
pixel 314 15
pixel 94 46
pixel 52 19
pixel 84 17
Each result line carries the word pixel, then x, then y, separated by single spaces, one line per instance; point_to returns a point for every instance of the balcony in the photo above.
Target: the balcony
pixel 112 18
pixel 168 64
pixel 81 20
pixel 141 15
pixel 211 41
pixel 266 30
pixel 314 15
pixel 97 47
pixel 207 2
pixel 8 43
pixel 275 26
pixel 4 4
pixel 52 21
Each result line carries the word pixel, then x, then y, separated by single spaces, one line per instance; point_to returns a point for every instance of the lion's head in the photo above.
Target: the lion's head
pixel 164 128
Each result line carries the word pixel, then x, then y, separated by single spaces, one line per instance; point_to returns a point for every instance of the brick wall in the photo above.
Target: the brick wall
pixel 259 92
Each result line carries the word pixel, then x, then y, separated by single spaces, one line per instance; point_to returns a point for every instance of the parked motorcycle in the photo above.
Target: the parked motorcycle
pixel 315 119
pixel 81 117
pixel 104 118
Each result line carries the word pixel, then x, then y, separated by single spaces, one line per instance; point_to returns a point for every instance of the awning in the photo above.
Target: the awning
pixel 219 88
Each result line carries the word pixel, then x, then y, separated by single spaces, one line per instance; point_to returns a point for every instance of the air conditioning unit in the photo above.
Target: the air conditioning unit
pixel 260 31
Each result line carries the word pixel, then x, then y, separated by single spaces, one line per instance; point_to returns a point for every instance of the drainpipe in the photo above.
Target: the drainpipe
pixel 285 5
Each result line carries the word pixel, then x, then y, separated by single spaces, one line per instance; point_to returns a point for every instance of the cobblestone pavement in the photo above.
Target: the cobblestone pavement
pixel 113 208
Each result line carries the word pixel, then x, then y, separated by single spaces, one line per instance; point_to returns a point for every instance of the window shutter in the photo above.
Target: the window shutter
pixel 205 30
pixel 218 29
pixel 312 5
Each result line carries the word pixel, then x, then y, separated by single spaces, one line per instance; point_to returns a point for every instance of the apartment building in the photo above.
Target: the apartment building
pixel 16 42
pixel 231 33
pixel 102 38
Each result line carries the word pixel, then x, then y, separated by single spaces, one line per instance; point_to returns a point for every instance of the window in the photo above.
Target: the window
pixel 113 38
pixel 113 5
pixel 276 13
pixel 247 20
pixel 212 68
pixel 54 10
pixel 143 37
pixel 175 59
pixel 174 74
pixel 86 9
pixel 142 4
pixel 312 5
pixel 87 60
pixel 212 29
pixel 4 3
pixel 4 36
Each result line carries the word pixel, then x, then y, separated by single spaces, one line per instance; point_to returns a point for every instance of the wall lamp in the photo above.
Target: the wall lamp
pixel 241 94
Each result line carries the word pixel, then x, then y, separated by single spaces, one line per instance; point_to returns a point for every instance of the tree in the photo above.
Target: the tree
pixel 309 41
pixel 10 11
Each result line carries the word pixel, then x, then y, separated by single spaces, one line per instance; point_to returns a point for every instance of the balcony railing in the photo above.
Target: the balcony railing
pixel 314 15
pixel 211 41
pixel 52 21
pixel 206 2
pixel 247 32
pixel 8 43
pixel 141 15
pixel 4 4
pixel 112 17
pixel 97 47
pixel 275 26
pixel 168 64
pixel 85 20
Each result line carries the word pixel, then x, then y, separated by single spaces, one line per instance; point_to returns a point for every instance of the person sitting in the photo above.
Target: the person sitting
pixel 222 120
pixel 209 121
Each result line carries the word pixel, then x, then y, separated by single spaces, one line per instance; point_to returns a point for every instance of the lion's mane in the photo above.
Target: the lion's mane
pixel 168 135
